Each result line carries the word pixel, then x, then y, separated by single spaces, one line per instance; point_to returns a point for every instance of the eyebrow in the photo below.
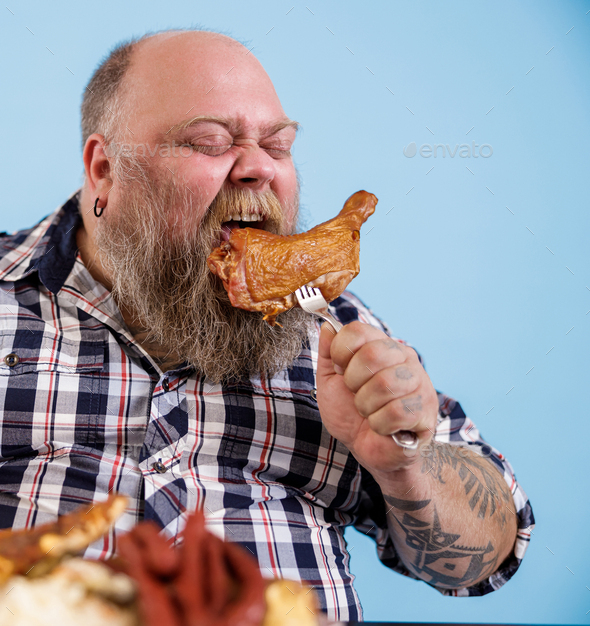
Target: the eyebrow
pixel 231 124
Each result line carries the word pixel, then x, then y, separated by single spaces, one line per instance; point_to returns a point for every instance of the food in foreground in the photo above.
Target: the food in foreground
pixel 36 550
pixel 261 271
pixel 209 582
pixel 77 592
pixel 203 581
pixel 42 586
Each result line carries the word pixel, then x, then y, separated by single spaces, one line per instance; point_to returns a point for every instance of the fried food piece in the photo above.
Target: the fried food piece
pixel 204 582
pixel 77 592
pixel 35 551
pixel 290 604
pixel 260 270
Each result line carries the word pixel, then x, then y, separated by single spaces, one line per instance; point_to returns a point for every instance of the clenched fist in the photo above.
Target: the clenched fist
pixel 368 387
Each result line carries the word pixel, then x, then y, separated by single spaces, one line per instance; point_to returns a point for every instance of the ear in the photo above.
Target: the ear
pixel 97 167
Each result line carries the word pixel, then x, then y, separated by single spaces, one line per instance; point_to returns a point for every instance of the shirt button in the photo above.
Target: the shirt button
pixel 159 467
pixel 166 385
pixel 11 359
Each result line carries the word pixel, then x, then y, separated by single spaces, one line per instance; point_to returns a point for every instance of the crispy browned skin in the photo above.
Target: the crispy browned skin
pixel 261 270
pixel 36 550
pixel 203 582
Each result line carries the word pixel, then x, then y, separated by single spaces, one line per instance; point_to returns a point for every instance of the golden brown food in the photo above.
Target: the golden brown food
pixel 261 271
pixel 203 581
pixel 36 550
pixel 78 592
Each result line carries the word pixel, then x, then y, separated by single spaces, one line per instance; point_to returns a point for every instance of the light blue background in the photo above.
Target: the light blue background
pixel 483 269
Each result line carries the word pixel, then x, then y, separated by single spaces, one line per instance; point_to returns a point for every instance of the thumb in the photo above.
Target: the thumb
pixel 325 365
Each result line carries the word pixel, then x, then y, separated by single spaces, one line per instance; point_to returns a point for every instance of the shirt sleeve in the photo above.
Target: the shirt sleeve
pixel 455 428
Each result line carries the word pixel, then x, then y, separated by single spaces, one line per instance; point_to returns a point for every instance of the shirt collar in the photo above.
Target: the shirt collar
pixel 49 248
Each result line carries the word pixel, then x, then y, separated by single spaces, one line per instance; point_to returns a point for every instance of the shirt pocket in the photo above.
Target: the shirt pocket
pixel 50 392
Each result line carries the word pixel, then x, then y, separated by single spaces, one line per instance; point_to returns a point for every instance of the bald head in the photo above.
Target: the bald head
pixel 174 74
pixel 135 69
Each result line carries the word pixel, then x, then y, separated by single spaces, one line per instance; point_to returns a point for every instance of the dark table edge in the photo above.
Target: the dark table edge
pixel 442 624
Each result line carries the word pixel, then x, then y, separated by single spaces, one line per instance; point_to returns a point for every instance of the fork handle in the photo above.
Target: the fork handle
pixel 336 325
pixel 406 439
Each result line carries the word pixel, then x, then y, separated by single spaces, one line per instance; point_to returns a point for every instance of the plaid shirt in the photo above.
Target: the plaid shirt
pixel 86 411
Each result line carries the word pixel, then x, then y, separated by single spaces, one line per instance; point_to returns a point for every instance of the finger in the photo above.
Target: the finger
pixel 350 339
pixel 390 418
pixel 409 413
pixel 155 606
pixel 325 365
pixel 391 383
pixel 372 358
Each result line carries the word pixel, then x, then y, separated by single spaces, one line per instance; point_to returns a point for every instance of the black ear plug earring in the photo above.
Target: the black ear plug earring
pixel 95 210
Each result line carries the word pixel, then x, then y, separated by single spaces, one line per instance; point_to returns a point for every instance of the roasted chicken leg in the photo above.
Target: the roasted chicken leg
pixel 260 270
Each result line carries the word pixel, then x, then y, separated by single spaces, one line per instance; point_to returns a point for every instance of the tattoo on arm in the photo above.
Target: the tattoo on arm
pixel 488 490
pixel 438 556
pixel 406 505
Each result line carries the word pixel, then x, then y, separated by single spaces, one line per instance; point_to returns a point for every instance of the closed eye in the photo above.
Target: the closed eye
pixel 209 150
pixel 278 153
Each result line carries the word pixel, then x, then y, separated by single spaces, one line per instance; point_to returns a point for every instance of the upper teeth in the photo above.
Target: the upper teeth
pixel 247 217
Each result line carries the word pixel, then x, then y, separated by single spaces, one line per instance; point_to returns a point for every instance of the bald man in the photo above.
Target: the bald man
pixel 125 368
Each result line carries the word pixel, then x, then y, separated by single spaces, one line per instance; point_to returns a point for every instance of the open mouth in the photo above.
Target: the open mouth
pixel 247 221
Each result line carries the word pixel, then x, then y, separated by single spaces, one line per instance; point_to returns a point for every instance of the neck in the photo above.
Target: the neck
pixel 165 358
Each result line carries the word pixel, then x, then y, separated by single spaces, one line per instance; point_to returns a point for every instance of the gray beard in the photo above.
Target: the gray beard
pixel 155 252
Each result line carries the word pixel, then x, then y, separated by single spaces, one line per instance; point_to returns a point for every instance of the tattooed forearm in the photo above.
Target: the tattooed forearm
pixel 484 486
pixel 438 557
pixel 459 524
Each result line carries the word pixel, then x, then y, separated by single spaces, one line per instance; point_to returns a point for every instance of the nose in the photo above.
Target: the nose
pixel 253 168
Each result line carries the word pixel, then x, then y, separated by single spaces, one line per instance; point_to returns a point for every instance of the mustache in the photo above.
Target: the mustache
pixel 231 201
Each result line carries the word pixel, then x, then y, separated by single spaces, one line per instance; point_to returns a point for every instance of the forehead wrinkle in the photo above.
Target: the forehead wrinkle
pixel 236 127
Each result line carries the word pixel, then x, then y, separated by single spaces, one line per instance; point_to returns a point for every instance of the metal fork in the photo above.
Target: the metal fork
pixel 311 300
